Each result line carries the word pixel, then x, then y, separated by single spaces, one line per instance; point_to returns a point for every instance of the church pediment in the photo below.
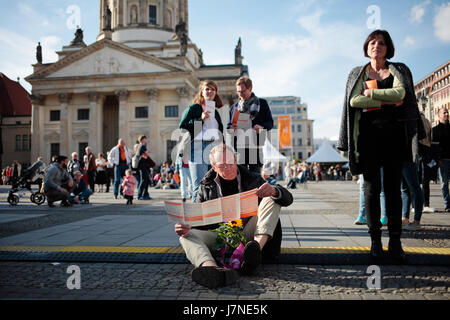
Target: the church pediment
pixel 105 57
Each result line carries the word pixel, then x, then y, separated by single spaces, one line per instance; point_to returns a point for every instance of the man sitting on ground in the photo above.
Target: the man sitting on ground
pixel 81 192
pixel 224 179
pixel 58 183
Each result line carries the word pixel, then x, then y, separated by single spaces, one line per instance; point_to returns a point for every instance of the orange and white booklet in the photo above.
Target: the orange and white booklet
pixel 370 84
pixel 230 208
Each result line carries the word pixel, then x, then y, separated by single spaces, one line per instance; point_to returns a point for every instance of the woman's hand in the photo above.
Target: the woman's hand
pixel 367 93
pixel 205 115
pixel 257 128
pixel 182 229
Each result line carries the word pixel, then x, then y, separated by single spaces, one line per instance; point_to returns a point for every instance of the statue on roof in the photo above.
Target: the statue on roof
pixel 107 19
pixel 78 37
pixel 39 53
pixel 180 30
pixel 237 53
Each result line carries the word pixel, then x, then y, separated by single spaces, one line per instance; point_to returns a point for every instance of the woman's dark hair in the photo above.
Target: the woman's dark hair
pixel 61 158
pixel 390 50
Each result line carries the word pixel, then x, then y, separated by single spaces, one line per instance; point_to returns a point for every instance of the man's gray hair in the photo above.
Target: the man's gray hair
pixel 220 148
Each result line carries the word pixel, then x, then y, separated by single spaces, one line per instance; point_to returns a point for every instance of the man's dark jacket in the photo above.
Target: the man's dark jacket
pixel 441 135
pixel 208 190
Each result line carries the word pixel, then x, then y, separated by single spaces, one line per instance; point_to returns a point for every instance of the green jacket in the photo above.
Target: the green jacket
pixel 193 114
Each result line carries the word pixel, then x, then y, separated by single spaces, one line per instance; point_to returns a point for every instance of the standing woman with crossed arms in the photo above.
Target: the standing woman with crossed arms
pixel 378 128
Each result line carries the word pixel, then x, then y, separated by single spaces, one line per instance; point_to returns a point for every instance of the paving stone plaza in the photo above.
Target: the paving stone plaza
pixel 321 216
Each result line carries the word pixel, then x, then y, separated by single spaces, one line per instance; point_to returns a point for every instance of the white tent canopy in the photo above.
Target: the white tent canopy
pixel 270 153
pixel 326 154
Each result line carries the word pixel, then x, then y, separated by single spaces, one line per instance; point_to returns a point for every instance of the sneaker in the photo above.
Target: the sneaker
pixel 146 198
pixel 429 210
pixel 412 227
pixel 251 258
pixel 360 220
pixel 384 220
pixel 66 204
pixel 214 277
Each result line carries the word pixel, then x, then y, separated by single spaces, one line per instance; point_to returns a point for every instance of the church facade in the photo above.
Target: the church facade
pixel 136 79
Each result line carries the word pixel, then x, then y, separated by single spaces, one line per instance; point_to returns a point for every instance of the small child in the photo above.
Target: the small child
pixel 128 185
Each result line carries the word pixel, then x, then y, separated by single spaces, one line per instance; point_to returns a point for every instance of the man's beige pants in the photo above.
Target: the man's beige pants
pixel 198 243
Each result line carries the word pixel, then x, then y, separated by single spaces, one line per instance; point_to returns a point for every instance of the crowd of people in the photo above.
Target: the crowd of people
pixel 299 172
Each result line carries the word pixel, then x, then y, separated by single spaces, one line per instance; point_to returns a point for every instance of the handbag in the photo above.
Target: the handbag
pixel 150 163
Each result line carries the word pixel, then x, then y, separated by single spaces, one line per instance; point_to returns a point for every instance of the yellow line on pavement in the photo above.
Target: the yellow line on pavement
pixel 173 250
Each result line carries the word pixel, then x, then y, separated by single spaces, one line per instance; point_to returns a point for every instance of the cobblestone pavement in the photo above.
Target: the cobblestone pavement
pixel 173 282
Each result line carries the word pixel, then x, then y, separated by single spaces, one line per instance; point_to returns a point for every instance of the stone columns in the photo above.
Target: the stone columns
pixel 143 18
pixel 64 99
pixel 36 102
pixel 94 121
pixel 152 102
pixel 153 139
pixel 123 95
pixel 122 16
pixel 184 93
pixel 164 21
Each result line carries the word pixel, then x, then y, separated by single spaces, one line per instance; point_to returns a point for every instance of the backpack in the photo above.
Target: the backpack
pixel 135 161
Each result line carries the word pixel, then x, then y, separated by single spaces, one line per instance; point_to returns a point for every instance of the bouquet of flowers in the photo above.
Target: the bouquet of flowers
pixel 230 243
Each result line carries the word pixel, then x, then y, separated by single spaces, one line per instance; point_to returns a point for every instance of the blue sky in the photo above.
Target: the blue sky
pixel 302 48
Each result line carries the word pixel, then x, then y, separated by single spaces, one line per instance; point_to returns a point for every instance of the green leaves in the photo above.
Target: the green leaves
pixel 229 236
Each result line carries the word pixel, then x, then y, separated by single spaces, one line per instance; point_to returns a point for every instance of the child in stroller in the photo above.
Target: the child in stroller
pixel 23 184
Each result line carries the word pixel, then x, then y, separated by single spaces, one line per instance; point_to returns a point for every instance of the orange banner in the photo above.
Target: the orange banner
pixel 284 131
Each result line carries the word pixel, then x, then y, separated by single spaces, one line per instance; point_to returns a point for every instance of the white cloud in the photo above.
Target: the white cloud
pixel 311 22
pixel 33 15
pixel 441 23
pixel 409 42
pixel 298 65
pixel 417 12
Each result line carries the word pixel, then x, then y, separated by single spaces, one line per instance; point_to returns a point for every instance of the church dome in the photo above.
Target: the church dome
pixel 142 23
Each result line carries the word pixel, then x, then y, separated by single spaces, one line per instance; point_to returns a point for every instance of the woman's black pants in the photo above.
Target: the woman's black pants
pixel 382 145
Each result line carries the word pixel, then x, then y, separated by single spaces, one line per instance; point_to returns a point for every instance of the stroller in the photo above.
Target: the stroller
pixel 23 184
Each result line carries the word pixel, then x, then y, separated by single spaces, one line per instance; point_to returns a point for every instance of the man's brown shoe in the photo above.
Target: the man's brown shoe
pixel 214 277
pixel 252 258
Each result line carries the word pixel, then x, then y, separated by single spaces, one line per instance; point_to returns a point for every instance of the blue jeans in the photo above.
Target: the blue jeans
pixel 444 174
pixel 185 182
pixel 411 190
pixel 119 173
pixel 199 164
pixel 82 196
pixel 362 205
